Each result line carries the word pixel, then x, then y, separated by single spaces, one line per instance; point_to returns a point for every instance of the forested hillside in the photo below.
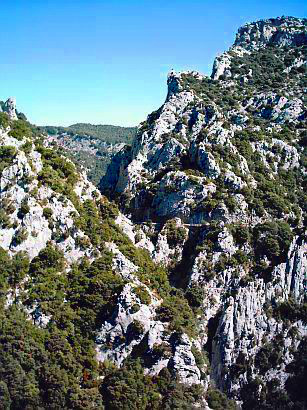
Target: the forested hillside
pixel 110 134
pixel 90 146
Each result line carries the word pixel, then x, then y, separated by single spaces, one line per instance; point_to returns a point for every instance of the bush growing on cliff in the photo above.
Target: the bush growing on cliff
pixel 272 239
pixel 195 296
pixel 20 236
pixel 5 221
pixel 291 310
pixel 24 208
pixel 7 155
pixel 20 129
pixel 129 388
pixel 58 172
pixel 4 120
pixel 180 320
pixel 241 233
pixel 174 234
pixel 219 401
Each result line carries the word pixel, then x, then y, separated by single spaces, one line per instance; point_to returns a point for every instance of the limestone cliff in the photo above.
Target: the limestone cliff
pixel 225 157
pixel 71 268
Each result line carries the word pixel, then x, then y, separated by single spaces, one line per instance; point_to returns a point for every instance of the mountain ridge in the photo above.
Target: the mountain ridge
pixel 224 152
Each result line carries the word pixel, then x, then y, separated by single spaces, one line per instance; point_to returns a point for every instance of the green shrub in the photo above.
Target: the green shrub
pixel 174 233
pixel 24 208
pixel 93 291
pixel 241 257
pixel 241 234
pixel 4 120
pixel 134 330
pixel 129 388
pixel 47 213
pixel 142 294
pixel 195 296
pixel 5 221
pixel 20 129
pixel 135 308
pixel 231 203
pixel 269 356
pixel 27 147
pixel 48 258
pixel 219 401
pixel 7 155
pixel 273 240
pixel 20 236
pixel 58 172
pixel 175 310
pixel 199 359
pixel 108 209
pixel 291 310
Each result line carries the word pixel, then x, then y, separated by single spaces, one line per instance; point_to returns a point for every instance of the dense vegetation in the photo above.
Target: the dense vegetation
pixel 267 68
pixel 270 395
pixel 55 367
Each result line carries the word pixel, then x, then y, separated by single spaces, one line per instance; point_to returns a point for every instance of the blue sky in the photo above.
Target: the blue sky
pixel 106 62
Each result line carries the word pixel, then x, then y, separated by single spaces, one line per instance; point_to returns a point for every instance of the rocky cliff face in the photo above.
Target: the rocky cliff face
pixel 76 269
pixel 225 158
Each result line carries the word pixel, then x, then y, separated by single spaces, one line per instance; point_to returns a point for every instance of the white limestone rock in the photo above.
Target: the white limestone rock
pixel 10 108
pixel 221 66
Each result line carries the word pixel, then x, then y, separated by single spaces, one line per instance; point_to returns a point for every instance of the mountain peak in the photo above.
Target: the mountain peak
pixel 176 80
pixel 274 33
pixel 280 31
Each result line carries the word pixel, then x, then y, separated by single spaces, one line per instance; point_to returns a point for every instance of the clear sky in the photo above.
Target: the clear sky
pixel 106 62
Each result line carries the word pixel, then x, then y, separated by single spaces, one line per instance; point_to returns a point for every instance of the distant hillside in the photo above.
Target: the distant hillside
pixel 91 146
pixel 109 133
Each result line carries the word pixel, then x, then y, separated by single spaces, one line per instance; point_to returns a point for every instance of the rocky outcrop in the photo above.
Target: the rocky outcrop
pixel 182 136
pixel 28 227
pixel 135 325
pixel 10 108
pixel 247 320
pixel 279 32
pixel 36 213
